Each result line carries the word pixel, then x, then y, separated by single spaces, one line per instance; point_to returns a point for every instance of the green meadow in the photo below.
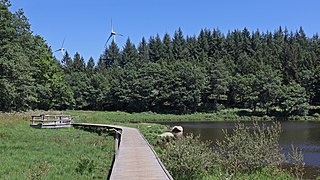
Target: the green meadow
pixel 67 153
pixel 235 115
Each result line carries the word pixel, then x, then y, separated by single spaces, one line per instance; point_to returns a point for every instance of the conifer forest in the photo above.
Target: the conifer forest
pixel 277 71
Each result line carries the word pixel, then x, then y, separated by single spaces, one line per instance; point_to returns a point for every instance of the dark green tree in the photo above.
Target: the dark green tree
pixel 294 100
pixel 167 47
pixel 112 55
pixel 102 65
pixel 90 66
pixel 156 49
pixel 67 63
pixel 78 63
pixel 129 53
pixel 268 85
pixel 179 50
pixel 143 50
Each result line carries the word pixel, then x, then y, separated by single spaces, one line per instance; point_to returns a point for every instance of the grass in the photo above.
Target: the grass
pixel 224 115
pixel 67 153
pixel 149 130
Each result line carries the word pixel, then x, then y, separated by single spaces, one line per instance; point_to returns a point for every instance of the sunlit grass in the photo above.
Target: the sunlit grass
pixel 151 131
pixel 116 117
pixel 28 153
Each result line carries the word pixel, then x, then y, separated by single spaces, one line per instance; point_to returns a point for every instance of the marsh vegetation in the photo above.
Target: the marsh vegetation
pixel 247 152
pixel 67 153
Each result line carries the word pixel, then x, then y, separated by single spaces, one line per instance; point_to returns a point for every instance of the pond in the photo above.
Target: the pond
pixel 304 135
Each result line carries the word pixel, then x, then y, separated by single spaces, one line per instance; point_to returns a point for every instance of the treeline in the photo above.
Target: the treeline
pixel 275 71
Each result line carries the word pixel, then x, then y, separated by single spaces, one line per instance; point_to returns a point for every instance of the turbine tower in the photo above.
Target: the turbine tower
pixel 113 33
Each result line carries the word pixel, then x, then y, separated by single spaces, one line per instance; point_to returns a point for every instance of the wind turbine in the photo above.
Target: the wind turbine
pixel 62 48
pixel 113 33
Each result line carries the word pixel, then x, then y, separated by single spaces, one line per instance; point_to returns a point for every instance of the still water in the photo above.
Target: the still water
pixel 304 135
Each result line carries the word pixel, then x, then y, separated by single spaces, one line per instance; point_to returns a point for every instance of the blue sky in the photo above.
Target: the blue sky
pixel 86 24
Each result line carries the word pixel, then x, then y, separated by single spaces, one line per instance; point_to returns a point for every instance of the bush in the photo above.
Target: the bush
pixel 248 149
pixel 251 149
pixel 295 157
pixel 188 158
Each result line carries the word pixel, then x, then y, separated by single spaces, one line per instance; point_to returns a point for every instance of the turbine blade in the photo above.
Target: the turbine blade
pixel 57 50
pixel 120 34
pixel 63 41
pixel 108 40
pixel 111 26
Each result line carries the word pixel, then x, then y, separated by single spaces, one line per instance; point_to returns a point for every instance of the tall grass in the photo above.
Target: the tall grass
pixel 67 153
pixel 224 115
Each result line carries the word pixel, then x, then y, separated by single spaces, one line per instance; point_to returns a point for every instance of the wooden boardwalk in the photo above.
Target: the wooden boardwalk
pixel 50 121
pixel 135 159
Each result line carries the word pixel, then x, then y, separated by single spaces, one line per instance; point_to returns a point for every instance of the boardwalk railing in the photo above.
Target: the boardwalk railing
pixel 50 121
pixel 117 131
pixel 134 157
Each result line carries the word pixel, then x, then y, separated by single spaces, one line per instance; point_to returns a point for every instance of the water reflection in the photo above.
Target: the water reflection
pixel 304 135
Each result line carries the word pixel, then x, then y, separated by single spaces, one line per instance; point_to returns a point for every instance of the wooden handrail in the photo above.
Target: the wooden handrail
pixel 50 120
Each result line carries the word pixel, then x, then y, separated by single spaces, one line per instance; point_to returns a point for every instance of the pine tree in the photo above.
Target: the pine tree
pixel 78 63
pixel 216 46
pixel 102 65
pixel 203 40
pixel 179 45
pixel 143 51
pixel 194 49
pixel 156 50
pixel 67 62
pixel 112 55
pixel 129 53
pixel 167 47
pixel 90 66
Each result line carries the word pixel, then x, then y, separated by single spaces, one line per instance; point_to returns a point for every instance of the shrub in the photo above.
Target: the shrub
pixel 295 158
pixel 188 158
pixel 248 149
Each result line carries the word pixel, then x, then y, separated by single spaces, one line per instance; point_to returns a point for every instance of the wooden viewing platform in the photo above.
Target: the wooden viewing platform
pixel 50 121
pixel 135 159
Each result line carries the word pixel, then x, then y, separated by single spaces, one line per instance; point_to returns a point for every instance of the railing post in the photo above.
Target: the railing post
pixel 42 118
pixel 117 141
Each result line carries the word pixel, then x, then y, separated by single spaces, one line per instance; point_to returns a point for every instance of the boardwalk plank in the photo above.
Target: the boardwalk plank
pixel 135 158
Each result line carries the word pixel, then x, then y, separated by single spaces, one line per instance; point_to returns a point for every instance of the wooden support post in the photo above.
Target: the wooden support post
pixel 117 138
pixel 116 141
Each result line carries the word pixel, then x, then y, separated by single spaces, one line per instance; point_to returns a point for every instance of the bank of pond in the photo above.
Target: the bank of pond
pixel 304 136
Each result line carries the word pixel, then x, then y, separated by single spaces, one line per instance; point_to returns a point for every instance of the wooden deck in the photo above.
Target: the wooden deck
pixel 135 159
pixel 50 121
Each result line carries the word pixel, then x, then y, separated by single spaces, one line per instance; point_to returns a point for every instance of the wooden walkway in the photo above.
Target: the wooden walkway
pixel 50 121
pixel 135 159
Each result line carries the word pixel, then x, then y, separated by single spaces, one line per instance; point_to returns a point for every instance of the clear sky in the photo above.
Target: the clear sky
pixel 86 23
